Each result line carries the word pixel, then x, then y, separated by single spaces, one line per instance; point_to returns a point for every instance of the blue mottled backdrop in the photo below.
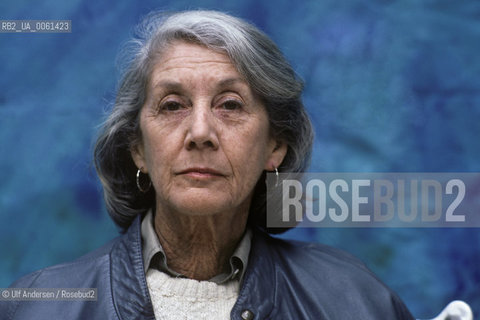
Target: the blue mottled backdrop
pixel 390 85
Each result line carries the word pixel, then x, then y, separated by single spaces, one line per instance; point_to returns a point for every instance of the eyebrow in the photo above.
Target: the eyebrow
pixel 231 81
pixel 177 86
pixel 169 85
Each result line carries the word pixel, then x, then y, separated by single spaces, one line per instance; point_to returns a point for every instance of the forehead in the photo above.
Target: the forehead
pixel 181 59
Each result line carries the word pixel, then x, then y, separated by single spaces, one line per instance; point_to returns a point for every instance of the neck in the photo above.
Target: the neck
pixel 199 247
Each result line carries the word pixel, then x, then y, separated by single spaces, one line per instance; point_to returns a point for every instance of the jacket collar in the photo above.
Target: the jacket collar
pixel 129 285
pixel 258 290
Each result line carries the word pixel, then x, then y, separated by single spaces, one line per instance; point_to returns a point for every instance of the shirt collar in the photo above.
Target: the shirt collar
pixel 154 255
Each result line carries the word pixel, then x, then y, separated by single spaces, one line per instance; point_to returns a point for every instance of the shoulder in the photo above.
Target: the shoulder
pixel 89 271
pixel 69 273
pixel 329 277
pixel 330 266
pixel 309 255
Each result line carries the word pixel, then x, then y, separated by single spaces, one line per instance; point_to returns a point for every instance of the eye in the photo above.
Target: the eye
pixel 231 105
pixel 170 106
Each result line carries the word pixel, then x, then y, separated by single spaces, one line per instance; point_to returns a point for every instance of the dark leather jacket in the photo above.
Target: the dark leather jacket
pixel 284 280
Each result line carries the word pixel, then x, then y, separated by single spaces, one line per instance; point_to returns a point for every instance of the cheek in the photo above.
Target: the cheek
pixel 249 152
pixel 157 151
pixel 259 142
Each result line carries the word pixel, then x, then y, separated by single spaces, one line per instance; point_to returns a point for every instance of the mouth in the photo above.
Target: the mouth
pixel 200 172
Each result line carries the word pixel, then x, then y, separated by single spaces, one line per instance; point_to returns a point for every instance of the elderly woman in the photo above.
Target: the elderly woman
pixel 206 106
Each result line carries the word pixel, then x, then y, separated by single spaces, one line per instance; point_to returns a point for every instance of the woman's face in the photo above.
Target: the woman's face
pixel 205 136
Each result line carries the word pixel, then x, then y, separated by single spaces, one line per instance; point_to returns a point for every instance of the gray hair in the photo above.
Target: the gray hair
pixel 254 55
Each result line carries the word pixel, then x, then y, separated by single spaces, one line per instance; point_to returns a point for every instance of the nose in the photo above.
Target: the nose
pixel 202 133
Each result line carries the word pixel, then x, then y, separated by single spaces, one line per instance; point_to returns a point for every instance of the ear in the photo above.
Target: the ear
pixel 278 150
pixel 138 156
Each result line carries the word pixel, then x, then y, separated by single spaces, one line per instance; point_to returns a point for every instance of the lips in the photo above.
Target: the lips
pixel 200 172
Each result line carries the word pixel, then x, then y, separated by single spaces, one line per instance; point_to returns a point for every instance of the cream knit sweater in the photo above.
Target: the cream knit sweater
pixel 179 298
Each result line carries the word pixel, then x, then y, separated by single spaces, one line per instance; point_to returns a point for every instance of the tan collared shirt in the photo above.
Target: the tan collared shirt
pixel 154 255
